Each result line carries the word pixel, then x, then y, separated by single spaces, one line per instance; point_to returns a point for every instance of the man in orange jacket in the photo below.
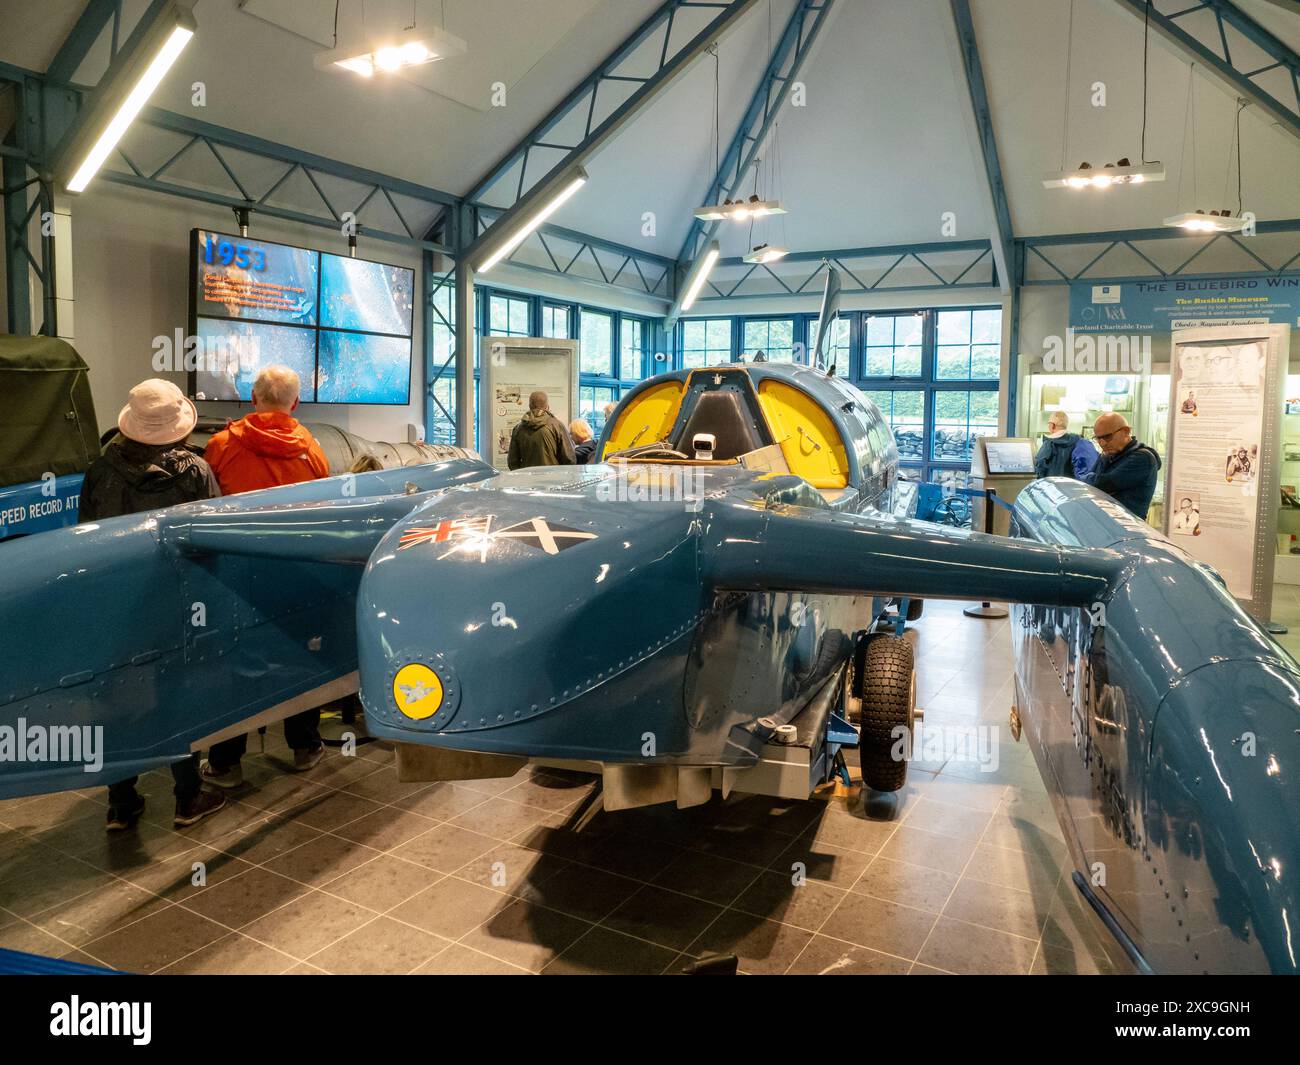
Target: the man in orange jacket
pixel 263 450
pixel 269 447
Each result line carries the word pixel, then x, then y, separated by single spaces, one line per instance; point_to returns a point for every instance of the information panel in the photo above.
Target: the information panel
pixel 514 368
pixel 1221 483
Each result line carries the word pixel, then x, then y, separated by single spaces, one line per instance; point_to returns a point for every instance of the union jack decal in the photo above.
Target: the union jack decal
pixel 444 531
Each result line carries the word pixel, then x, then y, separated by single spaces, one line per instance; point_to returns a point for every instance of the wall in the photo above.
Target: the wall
pixel 131 277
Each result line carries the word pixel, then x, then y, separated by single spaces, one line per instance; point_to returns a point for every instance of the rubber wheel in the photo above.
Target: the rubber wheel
pixel 885 679
pixel 914 609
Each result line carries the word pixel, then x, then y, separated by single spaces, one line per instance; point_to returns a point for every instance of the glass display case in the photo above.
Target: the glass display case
pixel 1085 397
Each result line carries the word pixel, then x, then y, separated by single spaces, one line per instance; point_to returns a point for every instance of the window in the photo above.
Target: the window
pixel 508 316
pixel 706 342
pixel 837 348
pixel 774 337
pixel 934 374
pixel 904 413
pixel 440 410
pixel 555 321
pixel 592 400
pixel 631 348
pixel 893 345
pixel 597 343
pixel 959 417
pixel 968 345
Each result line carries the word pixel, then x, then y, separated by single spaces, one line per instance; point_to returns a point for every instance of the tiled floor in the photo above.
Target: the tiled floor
pixel 1286 610
pixel 345 870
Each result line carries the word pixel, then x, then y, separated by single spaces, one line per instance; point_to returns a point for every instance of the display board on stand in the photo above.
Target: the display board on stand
pixel 1222 480
pixel 512 369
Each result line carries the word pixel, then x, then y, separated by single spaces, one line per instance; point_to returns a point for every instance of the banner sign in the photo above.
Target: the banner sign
pixel 1156 307
pixel 37 506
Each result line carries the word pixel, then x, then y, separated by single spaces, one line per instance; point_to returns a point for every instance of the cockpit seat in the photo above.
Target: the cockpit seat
pixel 723 414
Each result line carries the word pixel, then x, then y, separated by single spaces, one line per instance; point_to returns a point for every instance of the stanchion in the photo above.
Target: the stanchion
pixel 986 610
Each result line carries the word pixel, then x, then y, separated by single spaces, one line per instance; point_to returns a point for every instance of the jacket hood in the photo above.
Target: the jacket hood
pixel 535 419
pixel 146 467
pixel 271 434
pixel 1064 442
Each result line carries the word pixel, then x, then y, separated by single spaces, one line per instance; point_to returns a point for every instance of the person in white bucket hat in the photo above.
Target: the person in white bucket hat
pixel 157 412
pixel 145 467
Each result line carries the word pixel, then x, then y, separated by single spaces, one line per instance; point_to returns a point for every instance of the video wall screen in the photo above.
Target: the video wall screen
pixel 343 324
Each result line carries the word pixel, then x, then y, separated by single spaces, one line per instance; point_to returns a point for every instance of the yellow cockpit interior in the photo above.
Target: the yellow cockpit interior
pixel 777 427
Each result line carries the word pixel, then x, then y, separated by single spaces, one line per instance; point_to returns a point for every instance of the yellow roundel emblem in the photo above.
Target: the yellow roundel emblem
pixel 417 691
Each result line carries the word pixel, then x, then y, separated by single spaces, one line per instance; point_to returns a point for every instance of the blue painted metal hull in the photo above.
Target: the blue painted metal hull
pixel 1167 736
pixel 102 631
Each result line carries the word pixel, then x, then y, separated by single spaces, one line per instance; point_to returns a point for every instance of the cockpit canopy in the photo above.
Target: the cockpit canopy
pixel 772 417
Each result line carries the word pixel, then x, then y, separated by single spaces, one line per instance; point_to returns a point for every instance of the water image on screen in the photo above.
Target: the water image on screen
pixel 232 352
pixel 372 297
pixel 236 277
pixel 357 368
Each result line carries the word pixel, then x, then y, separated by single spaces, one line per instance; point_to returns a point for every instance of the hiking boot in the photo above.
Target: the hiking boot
pixel 194 811
pixel 120 818
pixel 221 778
pixel 305 758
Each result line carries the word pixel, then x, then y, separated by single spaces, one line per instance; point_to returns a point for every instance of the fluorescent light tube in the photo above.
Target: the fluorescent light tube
pixel 156 56
pixel 576 179
pixel 700 274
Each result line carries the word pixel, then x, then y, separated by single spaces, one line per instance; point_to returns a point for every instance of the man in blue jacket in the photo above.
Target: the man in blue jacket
pixel 1126 470
pixel 1063 454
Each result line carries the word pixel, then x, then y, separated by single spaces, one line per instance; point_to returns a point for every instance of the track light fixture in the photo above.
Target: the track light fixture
pixel 1198 221
pixel 739 210
pixel 1120 173
pixel 765 253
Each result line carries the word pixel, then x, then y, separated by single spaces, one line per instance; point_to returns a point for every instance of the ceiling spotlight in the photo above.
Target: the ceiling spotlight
pixel 410 48
pixel 1088 176
pixel 1208 221
pixel 739 210
pixel 765 253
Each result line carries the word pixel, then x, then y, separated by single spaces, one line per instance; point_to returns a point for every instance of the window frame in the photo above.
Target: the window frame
pixel 798 330
pixel 929 467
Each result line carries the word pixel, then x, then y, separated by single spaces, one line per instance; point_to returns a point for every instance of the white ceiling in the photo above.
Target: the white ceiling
pixel 879 153
pixel 1027 100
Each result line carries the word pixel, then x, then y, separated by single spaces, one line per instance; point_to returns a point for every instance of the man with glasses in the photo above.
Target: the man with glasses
pixel 1126 469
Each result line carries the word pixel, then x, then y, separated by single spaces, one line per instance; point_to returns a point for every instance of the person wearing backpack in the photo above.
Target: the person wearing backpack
pixel 1064 454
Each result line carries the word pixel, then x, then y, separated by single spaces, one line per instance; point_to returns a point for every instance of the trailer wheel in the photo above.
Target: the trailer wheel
pixel 885 680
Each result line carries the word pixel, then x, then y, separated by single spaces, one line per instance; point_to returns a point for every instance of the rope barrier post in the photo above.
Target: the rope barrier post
pixel 986 610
